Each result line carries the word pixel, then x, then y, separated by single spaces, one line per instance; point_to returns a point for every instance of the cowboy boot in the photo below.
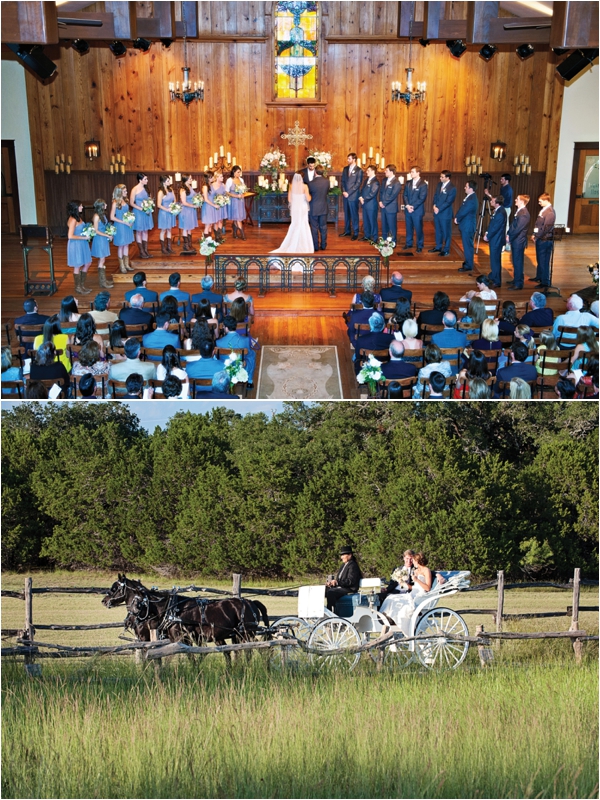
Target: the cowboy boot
pixel 126 262
pixel 186 250
pixel 104 284
pixel 169 248
pixel 145 243
pixel 122 266
pixel 191 248
pixel 163 247
pixel 82 287
pixel 235 231
pixel 242 233
pixel 142 250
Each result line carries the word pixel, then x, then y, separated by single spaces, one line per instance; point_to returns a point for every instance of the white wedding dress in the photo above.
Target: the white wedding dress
pixel 400 607
pixel 299 238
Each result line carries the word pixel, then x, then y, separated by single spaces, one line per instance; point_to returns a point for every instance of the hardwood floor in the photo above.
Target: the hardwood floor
pixel 298 317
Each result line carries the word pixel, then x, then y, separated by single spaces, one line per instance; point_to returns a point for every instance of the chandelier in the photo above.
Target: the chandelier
pixel 188 91
pixel 409 96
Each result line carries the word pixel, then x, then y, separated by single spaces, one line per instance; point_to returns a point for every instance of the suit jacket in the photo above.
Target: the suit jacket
pixel 450 337
pixel 496 232
pixel 351 182
pixel 136 316
pixel 148 295
pixel 318 189
pixel 545 225
pixel 159 339
pixel 466 216
pixel 392 293
pixel 373 341
pixel 517 233
pixel 214 298
pixel 204 368
pixel 181 297
pixel 430 316
pixel 507 195
pixel 396 370
pixel 369 191
pixel 388 195
pixel 359 317
pixel 518 369
pixel 304 173
pixel 443 199
pixel 120 370
pixel 415 197
pixel 32 319
pixel 349 576
pixel 538 317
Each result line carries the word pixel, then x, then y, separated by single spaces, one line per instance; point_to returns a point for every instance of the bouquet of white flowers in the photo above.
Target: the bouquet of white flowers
pixel 208 245
pixel 239 188
pixel 197 200
pixel 273 160
pixel 175 208
pixel 129 218
pixel 222 200
pixel 148 205
pixel 370 374
pixel 323 159
pixel 234 367
pixel 402 576
pixel 110 229
pixel 88 231
pixel 593 270
pixel 385 246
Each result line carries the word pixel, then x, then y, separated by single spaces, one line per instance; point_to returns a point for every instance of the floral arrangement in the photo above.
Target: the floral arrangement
pixel 110 229
pixel 148 205
pixel 222 200
pixel 323 159
pixel 239 188
pixel 208 245
pixel 370 374
pixel 197 201
pixel 234 367
pixel 88 231
pixel 129 218
pixel 402 576
pixel 385 246
pixel 273 162
pixel 175 208
pixel 593 270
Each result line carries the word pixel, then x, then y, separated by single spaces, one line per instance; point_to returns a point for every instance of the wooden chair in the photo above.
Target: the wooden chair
pixel 151 353
pixel 116 351
pixel 504 388
pixel 448 388
pixel 185 354
pixel 49 383
pixel 27 335
pixel 546 383
pixel 117 389
pixel 453 356
pixel 427 331
pixel 100 390
pixel 223 353
pixel 489 381
pixel 195 392
pixel 410 354
pixel 361 327
pixel 565 330
pixel 491 356
pixel 380 355
pixel 13 390
pixel 227 306
pixel 407 385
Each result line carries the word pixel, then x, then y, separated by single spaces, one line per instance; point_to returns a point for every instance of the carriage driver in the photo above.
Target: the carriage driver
pixel 347 580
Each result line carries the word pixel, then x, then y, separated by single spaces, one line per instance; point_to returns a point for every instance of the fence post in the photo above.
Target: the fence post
pixel 577 643
pixel 237 585
pixel 35 670
pixel 486 655
pixel 500 608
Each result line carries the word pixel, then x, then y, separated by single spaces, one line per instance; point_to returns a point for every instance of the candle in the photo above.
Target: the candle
pixel 527 159
pixel 331 181
pixel 478 161
pixel 206 168
pixel 56 168
pixel 62 166
pixel 202 85
pixel 377 158
pixel 522 158
pixel 210 163
pixel 178 176
pixel 118 158
pixel 123 168
pixel 216 157
pixel 358 162
pixel 469 170
pixel 233 161
pixel 480 170
pixel 112 159
pixel 529 169
pixel 112 168
pixel 229 158
pixel 57 160
pixel 68 169
pixel 123 161
pixel 473 159
pixel 518 169
pixel 467 161
pixel 382 165
pixel 281 175
pixel 62 157
pixel 70 160
pixel 364 158
pixel 401 180
pixel 194 184
pixel 221 151
pixel 516 160
pixel 370 152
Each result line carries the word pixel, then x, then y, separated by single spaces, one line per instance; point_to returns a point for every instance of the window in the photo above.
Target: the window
pixel 296 29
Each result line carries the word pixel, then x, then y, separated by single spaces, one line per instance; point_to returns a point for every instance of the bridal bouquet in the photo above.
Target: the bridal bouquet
pixel 148 205
pixel 110 229
pixel 385 246
pixel 402 576
pixel 234 367
pixel 175 208
pixel 222 200
pixel 129 218
pixel 239 188
pixel 323 159
pixel 88 231
pixel 197 201
pixel 370 374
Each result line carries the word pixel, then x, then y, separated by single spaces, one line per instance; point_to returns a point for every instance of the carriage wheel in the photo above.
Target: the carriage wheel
pixel 398 655
pixel 291 657
pixel 441 653
pixel 334 634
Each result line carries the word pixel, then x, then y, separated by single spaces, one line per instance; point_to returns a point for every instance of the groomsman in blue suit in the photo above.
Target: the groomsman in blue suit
pixel 415 194
pixel 466 219
pixel 352 178
pixel 388 202
pixel 496 236
pixel 443 200
pixel 517 234
pixel 368 201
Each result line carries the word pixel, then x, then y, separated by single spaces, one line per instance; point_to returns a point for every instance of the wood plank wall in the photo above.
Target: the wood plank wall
pixel 123 103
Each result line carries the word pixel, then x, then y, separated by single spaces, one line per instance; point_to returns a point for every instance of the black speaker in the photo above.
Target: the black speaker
pixel 576 62
pixel 32 55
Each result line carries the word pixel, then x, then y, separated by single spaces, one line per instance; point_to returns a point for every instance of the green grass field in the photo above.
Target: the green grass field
pixel 105 727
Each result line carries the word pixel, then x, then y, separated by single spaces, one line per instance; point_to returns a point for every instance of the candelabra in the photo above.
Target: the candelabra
pixel 408 96
pixel 379 160
pixel 221 161
pixel 117 164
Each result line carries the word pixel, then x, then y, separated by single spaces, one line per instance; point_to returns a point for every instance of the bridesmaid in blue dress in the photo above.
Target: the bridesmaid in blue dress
pixel 210 212
pixel 124 235
pixel 237 206
pixel 79 255
pixel 223 210
pixel 188 217
pixel 101 242
pixel 143 221
pixel 166 220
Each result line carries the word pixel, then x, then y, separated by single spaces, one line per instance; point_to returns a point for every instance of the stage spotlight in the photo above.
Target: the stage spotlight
pixel 560 51
pixel 487 51
pixel 117 48
pixel 81 46
pixel 142 44
pixel 167 43
pixel 423 42
pixel 576 62
pixel 525 51
pixel 456 46
pixel 33 56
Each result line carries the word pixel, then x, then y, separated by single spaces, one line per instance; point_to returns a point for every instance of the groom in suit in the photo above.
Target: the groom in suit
pixel 317 212
pixel 309 171
pixel 352 178
pixel 466 219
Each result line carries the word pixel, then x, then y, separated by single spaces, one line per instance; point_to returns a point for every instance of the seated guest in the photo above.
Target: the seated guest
pixel 162 336
pixel 544 365
pixel 361 316
pixel 479 390
pixel 450 337
pixel 539 315
pixel 433 363
pixel 120 370
pixel 395 391
pixel 517 367
pixel 434 316
pixel 392 293
pixel 206 366
pixel 565 389
pixel 587 342
pixel 34 390
pixel 30 317
pixel 200 332
pixel 477 367
pixel 135 387
pixel 87 388
pixel 240 287
pixel 519 390
pixel 116 338
pixel 204 311
pixel 402 312
pixel 397 368
pixel 233 341
pixel 101 313
pixel 86 332
pixel 237 310
pixel 213 298
pixel 375 340
pixel 484 291
pixel 68 314
pixel 46 366
pixel 347 580
pixel 489 336
pixel 368 285
pixel 170 306
pixel 523 334
pixel 437 384
pixel 174 389
pixel 135 314
pixel 573 318
pixel 475 315
pixel 139 282
pixel 170 365
pixel 410 329
pixel 10 373
pixel 508 320
pixel 220 388
pixel 181 296
pixel 52 332
pixel 89 361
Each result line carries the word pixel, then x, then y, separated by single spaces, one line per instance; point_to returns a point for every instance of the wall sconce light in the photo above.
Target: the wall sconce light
pixel 521 164
pixel 498 150
pixel 473 165
pixel 92 149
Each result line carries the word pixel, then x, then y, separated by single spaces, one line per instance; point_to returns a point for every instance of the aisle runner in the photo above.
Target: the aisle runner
pixel 299 373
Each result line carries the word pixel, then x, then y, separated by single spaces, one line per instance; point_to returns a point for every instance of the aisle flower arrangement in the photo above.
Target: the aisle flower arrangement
pixel 370 374
pixel 207 248
pixel 593 270
pixel 234 367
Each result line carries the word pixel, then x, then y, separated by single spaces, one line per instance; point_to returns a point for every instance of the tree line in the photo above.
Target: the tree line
pixel 478 486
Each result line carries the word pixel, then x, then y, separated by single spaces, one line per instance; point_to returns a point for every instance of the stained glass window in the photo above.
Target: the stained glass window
pixel 296 50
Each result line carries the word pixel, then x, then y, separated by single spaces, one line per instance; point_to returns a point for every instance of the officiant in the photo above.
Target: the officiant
pixel 310 170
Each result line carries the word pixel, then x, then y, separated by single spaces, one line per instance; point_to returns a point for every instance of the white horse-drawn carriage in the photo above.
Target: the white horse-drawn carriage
pixel 357 621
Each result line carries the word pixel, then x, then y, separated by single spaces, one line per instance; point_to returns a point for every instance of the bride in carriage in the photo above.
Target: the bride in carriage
pixel 412 584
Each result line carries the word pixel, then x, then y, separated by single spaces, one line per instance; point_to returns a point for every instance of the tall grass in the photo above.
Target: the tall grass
pixel 108 729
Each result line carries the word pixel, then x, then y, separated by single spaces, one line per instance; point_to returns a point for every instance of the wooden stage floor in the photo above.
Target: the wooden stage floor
pixel 299 317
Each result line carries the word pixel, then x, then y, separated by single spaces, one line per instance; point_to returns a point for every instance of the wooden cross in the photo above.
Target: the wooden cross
pixel 296 136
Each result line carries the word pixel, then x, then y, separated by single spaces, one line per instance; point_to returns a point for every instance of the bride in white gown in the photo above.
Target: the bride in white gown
pixel 299 238
pixel 400 607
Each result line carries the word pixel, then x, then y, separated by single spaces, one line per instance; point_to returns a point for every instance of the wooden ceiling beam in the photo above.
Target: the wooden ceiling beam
pixel 574 25
pixel 124 16
pixel 189 20
pixel 29 23
pixel 161 25
pixel 479 19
